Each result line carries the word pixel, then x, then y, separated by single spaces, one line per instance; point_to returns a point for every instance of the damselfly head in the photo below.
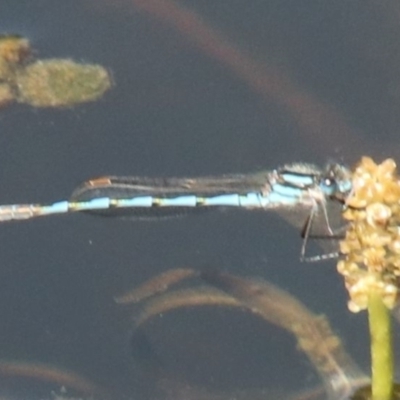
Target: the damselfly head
pixel 336 181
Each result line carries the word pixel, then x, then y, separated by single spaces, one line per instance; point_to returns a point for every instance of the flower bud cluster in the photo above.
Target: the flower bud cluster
pixel 371 247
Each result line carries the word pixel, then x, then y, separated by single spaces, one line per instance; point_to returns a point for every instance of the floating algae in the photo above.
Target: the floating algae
pixel 60 82
pixel 14 49
pixel 6 94
pixel 46 83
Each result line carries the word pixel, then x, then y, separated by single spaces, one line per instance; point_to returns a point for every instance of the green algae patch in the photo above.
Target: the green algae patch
pixel 61 83
pixel 14 49
pixel 46 83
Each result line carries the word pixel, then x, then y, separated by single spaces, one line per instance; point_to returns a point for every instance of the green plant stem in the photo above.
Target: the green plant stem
pixel 381 348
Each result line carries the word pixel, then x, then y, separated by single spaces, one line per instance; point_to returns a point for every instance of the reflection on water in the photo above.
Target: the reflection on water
pixel 28 379
pixel 338 371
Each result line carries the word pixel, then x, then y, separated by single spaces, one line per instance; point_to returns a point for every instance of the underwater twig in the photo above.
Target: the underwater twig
pixel 314 336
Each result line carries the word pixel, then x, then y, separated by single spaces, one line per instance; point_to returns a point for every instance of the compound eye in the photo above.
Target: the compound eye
pixel 329 182
pixel 329 185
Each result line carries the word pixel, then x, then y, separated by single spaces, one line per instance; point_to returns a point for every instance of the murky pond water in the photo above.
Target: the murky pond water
pixel 199 88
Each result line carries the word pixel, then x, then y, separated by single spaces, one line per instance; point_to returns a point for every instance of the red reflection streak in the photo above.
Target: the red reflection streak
pixel 321 125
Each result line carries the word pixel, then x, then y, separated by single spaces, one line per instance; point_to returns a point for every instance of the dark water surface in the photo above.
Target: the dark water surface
pixel 215 87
